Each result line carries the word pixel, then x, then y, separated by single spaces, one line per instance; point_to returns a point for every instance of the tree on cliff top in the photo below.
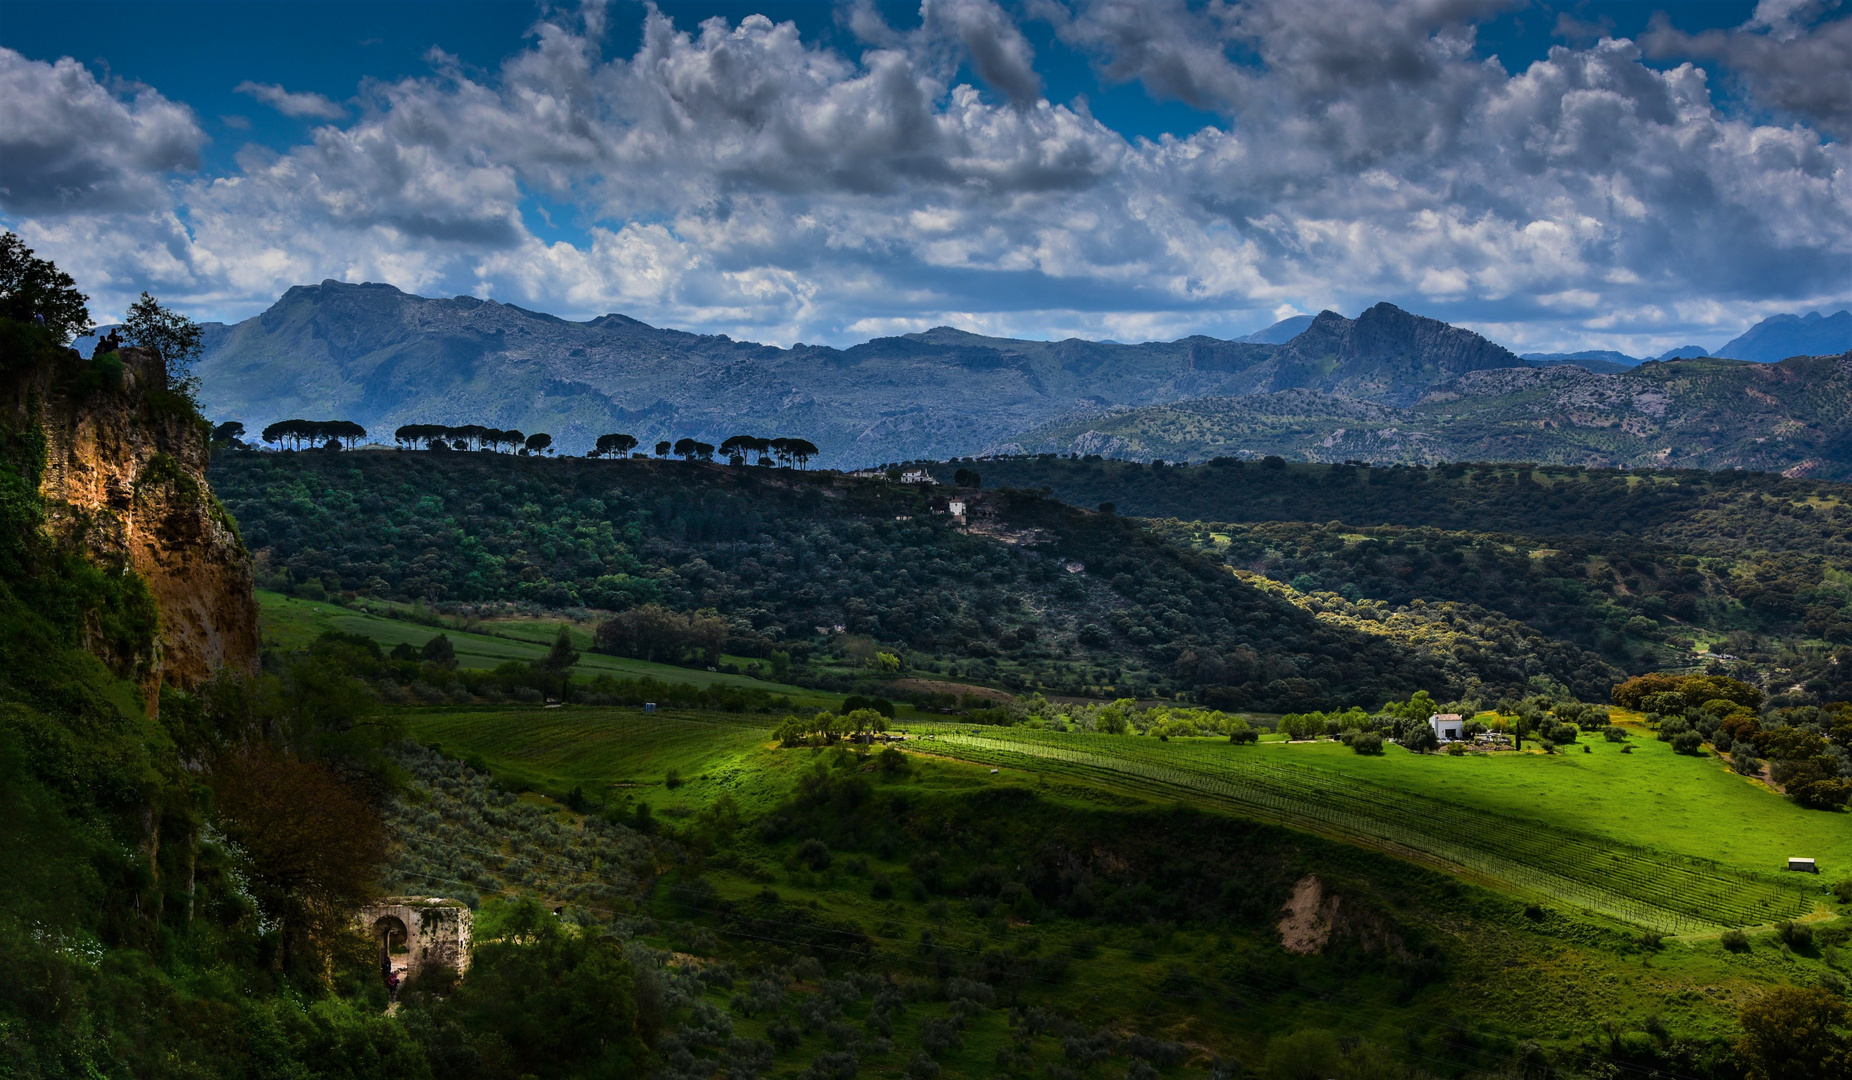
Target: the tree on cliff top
pixel 34 290
pixel 173 336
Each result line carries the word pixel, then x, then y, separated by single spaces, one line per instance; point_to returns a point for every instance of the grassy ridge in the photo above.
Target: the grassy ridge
pixel 1613 874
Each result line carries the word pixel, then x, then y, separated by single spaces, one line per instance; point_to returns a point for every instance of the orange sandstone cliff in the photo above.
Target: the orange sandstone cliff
pixel 125 481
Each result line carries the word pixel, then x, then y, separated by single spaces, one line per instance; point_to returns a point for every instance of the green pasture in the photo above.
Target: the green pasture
pixel 1568 828
pixel 1535 984
pixel 612 752
pixel 292 623
pixel 1651 796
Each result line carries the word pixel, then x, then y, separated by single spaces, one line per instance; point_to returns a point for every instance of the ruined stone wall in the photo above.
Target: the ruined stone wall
pixel 437 931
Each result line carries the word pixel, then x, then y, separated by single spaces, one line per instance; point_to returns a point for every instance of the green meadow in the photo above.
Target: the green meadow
pixel 292 623
pixel 1224 991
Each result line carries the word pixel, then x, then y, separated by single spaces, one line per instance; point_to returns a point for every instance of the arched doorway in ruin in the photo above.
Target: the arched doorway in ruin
pixel 394 942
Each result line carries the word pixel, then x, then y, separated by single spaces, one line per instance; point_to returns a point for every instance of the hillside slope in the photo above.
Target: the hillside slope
pixel 1639 566
pixel 1030 593
pixel 1794 416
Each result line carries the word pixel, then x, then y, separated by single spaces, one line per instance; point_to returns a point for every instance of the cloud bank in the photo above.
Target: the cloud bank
pixel 735 177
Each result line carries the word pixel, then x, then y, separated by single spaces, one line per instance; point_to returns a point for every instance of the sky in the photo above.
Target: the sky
pixel 1609 175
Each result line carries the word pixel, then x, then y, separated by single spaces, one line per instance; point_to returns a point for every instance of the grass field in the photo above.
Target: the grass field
pixel 1556 827
pixel 1546 823
pixel 1650 838
pixel 291 623
pixel 613 752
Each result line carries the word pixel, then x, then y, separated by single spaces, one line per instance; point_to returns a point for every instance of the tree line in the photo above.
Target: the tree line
pixel 472 437
pixel 314 432
pixel 735 449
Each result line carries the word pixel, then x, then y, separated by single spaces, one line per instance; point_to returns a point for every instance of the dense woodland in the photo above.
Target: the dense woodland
pixel 787 557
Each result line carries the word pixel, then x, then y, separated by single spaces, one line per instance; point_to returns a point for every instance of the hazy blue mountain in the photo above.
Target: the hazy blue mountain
pixel 1609 362
pixel 381 357
pixel 1781 336
pixel 1280 332
pixel 1605 361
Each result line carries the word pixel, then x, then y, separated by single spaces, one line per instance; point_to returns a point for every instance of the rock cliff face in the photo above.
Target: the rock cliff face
pixel 125 481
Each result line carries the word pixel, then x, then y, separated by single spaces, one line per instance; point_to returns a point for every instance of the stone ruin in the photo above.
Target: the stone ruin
pixel 416 934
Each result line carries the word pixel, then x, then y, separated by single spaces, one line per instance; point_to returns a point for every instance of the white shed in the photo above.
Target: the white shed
pixel 1805 866
pixel 1447 726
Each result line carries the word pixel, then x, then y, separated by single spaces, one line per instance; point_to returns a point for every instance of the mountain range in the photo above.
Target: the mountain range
pixel 1387 385
pixel 381 357
pixel 1793 417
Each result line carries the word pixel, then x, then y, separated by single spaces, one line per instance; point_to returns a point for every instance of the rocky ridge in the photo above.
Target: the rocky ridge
pixel 124 482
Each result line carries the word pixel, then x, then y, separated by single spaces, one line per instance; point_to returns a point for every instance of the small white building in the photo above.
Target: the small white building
pixel 1447 726
pixel 1805 866
pixel 917 476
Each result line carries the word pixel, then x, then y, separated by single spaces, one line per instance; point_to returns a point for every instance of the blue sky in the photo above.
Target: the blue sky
pixel 1600 175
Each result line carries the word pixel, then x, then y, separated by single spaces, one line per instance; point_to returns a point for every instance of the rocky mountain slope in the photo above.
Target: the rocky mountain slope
pixel 376 355
pixel 1791 417
pixel 123 483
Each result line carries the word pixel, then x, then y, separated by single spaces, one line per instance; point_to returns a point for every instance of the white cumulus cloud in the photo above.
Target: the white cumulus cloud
pixel 70 144
pixel 299 105
pixel 735 177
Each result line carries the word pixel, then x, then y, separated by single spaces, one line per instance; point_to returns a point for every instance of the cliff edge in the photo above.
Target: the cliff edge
pixel 124 482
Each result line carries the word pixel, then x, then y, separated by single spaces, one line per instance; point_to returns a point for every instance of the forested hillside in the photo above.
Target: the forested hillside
pixel 1032 593
pixel 1641 567
pixel 1790 416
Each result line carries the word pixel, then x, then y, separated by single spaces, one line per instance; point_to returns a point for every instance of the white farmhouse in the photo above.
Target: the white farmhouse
pixel 1447 726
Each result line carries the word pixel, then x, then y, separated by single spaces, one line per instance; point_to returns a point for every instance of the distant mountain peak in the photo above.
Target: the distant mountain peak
pixel 1280 332
pixel 1781 336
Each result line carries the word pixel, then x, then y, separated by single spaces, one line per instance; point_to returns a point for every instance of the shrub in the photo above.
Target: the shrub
pixel 815 854
pixel 1796 936
pixel 1688 742
pixel 1735 941
pixel 1843 891
pixel 882 888
pixel 1368 742
pixel 1614 733
pixel 1456 749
